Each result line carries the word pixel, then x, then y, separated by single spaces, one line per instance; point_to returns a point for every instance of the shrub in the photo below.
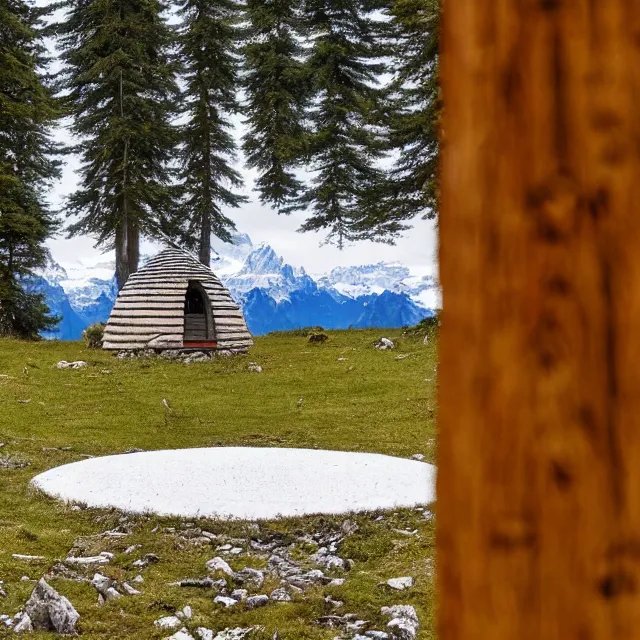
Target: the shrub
pixel 303 332
pixel 93 335
pixel 318 338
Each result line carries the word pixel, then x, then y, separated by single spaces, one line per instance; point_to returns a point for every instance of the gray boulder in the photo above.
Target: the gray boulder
pixel 49 611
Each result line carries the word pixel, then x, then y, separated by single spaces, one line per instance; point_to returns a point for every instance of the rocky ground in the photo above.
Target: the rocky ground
pixel 215 580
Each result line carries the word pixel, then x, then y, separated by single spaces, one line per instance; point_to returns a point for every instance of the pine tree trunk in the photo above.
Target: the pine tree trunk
pixel 538 531
pixel 122 257
pixel 205 240
pixel 133 246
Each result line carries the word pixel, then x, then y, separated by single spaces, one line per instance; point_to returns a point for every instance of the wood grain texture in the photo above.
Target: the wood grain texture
pixel 539 458
pixel 149 310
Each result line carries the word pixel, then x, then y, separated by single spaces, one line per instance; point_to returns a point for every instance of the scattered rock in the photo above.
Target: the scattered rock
pixel 402 356
pixel 101 583
pixel 78 364
pixel 400 584
pixel 349 527
pixel 336 582
pixel 49 611
pixel 13 463
pixel 204 634
pixel 281 595
pixel 129 590
pixel 183 634
pixel 336 604
pixel 138 579
pixel 204 583
pixel 240 594
pixel 88 560
pixel 404 621
pixel 19 556
pixel 3 593
pixel 132 548
pixel 426 340
pixel 168 622
pixel 150 558
pixel 384 344
pixel 23 624
pixel 233 634
pixel 255 367
pixel 325 559
pixel 417 456
pixel 252 576
pixel 218 564
pixel 254 602
pixel 225 601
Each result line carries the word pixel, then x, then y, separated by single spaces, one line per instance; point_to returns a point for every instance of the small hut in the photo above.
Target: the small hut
pixel 175 302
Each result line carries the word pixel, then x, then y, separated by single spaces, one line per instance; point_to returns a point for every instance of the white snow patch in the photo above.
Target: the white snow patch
pixel 242 482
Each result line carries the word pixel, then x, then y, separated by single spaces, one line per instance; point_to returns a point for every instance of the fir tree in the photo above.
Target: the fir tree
pixel 208 47
pixel 346 142
pixel 276 85
pixel 27 167
pixel 415 109
pixel 121 94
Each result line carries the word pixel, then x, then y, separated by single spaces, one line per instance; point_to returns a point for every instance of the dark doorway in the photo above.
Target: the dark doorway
pixel 197 316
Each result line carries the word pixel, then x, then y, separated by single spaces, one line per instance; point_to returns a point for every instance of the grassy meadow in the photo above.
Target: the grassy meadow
pixel 342 394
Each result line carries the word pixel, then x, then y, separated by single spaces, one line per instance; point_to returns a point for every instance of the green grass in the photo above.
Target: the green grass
pixel 354 398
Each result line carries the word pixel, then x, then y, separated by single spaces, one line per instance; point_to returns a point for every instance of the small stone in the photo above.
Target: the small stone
pixel 218 564
pixel 132 548
pixel 254 602
pixel 336 604
pixel 101 583
pixel 400 584
pixel 225 601
pixel 88 560
pixel 168 622
pixel 18 556
pixel 138 579
pixel 204 634
pixel 417 456
pixel 224 547
pixel 112 594
pixel 254 576
pixel 188 612
pixel 24 624
pixel 281 595
pixel 236 551
pixel 129 590
pixel 404 621
pixel 240 594
pixel 254 367
pixel 336 582
pixel 384 344
pixel 49 611
pixel 183 634
pixel 349 527
pixel 377 635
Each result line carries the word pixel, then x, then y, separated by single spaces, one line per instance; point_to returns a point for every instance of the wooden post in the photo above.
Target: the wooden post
pixel 539 459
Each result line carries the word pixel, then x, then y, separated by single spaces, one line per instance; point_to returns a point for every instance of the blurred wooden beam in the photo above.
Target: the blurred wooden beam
pixel 539 459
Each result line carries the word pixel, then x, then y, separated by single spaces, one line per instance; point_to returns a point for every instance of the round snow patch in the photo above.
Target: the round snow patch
pixel 242 482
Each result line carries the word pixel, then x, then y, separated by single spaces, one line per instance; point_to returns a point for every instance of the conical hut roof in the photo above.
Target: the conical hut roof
pixel 150 309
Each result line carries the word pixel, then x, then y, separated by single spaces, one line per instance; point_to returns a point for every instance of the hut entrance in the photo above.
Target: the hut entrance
pixel 198 324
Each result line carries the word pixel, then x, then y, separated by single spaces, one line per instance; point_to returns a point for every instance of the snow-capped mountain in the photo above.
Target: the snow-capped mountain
pixel 274 295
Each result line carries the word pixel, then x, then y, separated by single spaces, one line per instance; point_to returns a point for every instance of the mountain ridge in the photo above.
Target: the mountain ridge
pixel 274 295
